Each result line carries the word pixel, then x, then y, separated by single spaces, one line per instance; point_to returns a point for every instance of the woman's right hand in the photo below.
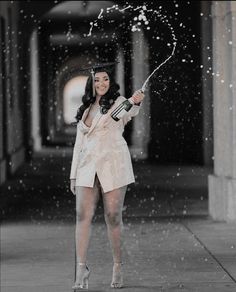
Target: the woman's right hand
pixel 72 186
pixel 138 96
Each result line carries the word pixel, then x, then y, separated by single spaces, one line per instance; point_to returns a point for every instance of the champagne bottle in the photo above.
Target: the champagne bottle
pixel 122 109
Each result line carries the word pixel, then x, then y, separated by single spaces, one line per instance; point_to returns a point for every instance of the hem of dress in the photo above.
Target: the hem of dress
pixel 119 186
pixel 106 190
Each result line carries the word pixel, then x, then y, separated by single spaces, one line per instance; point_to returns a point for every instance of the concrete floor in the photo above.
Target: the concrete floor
pixel 159 255
pixel 170 243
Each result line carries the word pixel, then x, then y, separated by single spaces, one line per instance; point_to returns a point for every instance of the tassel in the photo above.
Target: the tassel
pixel 93 81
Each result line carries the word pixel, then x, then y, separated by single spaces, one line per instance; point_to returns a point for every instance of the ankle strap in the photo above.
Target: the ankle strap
pixel 81 264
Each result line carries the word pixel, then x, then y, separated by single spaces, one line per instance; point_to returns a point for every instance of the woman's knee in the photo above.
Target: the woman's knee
pixel 113 219
pixel 84 215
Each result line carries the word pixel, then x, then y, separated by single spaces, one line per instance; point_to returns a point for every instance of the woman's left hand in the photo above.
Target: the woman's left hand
pixel 137 96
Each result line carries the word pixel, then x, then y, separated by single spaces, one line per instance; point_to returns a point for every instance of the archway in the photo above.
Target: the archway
pixel 62 50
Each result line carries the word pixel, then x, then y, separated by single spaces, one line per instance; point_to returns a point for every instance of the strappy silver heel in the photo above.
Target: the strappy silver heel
pixel 117 276
pixel 82 277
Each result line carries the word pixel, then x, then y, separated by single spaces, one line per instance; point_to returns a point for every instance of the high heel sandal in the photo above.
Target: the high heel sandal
pixel 82 276
pixel 117 276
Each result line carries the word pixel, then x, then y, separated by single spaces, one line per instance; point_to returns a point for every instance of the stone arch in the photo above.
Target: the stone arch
pixel 55 15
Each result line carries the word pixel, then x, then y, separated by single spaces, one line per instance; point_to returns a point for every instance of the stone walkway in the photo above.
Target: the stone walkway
pixel 170 243
pixel 159 255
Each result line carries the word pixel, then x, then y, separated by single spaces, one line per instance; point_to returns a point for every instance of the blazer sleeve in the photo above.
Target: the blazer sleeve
pixel 76 151
pixel 131 113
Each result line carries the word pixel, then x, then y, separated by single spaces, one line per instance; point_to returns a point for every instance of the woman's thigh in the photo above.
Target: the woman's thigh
pixel 87 198
pixel 113 201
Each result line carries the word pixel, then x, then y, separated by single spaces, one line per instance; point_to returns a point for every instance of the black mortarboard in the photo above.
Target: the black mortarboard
pixel 102 67
pixel 109 66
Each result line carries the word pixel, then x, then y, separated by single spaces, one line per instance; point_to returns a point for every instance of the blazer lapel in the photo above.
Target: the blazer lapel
pixel 99 116
pixel 95 121
pixel 85 113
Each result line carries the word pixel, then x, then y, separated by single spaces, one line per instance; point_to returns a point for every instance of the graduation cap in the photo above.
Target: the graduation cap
pixel 109 66
pixel 102 67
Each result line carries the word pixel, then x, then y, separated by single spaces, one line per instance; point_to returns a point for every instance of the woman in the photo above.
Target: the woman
pixel 101 160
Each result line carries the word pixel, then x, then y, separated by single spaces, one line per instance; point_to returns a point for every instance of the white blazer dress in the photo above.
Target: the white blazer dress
pixel 101 149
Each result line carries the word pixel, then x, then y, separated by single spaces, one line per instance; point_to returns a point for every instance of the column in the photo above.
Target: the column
pixel 140 71
pixel 34 90
pixel 207 98
pixel 222 183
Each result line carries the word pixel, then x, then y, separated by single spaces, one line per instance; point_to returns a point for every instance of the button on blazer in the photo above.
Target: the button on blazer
pixel 101 149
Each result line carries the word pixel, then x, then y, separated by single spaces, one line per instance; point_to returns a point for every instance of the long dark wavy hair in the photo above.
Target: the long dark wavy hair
pixel 106 101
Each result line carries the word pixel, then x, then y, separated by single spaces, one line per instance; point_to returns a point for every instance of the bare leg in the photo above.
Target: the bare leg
pixel 113 204
pixel 86 202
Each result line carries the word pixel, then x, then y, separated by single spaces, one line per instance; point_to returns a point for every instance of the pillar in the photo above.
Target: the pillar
pixel 222 183
pixel 141 123
pixel 207 98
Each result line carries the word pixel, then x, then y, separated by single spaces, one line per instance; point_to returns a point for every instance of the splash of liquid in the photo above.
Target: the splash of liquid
pixel 136 27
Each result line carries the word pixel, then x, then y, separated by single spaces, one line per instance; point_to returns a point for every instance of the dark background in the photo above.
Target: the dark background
pixel 176 101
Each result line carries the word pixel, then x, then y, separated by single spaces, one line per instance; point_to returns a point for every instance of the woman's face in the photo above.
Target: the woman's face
pixel 102 83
